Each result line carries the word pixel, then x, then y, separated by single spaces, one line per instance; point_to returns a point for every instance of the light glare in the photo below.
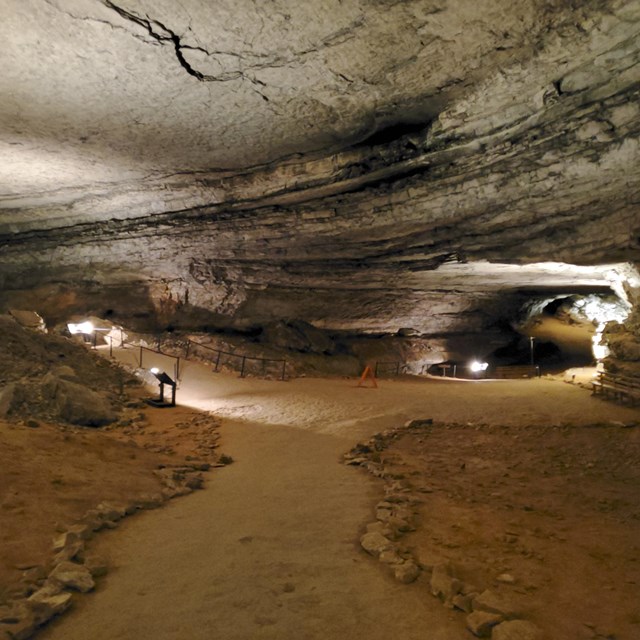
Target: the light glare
pixel 82 327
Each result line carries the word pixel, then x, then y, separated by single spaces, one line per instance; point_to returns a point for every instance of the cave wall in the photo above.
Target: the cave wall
pixel 529 156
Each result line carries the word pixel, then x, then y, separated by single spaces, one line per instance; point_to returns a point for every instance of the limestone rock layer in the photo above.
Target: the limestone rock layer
pixel 365 166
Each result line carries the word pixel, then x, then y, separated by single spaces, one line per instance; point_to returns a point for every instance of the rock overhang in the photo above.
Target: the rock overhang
pixel 489 159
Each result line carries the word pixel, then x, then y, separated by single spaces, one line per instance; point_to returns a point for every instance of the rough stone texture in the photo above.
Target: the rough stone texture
pixel 10 396
pixel 28 319
pixel 480 623
pixel 375 543
pixel 407 572
pixel 78 404
pixel 73 576
pixel 45 605
pixel 517 630
pixel 97 565
pixel 492 602
pixel 444 584
pixel 284 173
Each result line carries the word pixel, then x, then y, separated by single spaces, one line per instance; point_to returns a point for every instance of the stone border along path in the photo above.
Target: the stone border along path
pixel 269 550
pixel 487 614
pixel 72 569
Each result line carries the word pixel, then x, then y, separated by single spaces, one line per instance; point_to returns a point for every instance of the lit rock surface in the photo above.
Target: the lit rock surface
pixel 363 166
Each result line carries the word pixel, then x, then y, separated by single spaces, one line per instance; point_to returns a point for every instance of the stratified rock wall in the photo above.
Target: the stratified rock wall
pixel 424 210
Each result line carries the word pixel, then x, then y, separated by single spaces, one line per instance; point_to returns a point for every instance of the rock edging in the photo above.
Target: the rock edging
pixel 488 614
pixel 48 590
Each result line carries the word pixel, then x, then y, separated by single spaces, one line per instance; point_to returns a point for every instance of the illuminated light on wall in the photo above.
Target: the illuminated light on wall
pixel 476 366
pixel 82 327
pixel 600 351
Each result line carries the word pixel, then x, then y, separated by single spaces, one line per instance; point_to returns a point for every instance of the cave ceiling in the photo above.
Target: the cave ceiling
pixel 359 164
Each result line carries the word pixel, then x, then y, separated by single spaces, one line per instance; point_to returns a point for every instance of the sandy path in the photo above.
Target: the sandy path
pixel 269 549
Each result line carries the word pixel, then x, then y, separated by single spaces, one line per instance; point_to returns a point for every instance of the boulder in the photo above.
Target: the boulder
pixel 29 320
pixel 77 404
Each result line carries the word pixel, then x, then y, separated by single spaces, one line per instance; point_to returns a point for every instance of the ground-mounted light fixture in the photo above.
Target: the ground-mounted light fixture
pixel 477 367
pixel 163 379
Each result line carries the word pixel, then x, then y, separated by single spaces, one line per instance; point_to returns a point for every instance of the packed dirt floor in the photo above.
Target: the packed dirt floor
pixel 534 480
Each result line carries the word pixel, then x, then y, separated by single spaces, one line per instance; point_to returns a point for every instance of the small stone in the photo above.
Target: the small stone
pixel 73 576
pixel 22 629
pixel 375 543
pixel 45 605
pixel 93 520
pixel 424 422
pixel 66 539
pixel 150 501
pixel 195 482
pixel 443 583
pixel 69 552
pixel 517 630
pixel 390 557
pixel 383 514
pixel 34 574
pixel 407 572
pixel 376 526
pixel 83 531
pixel 18 620
pixel 97 565
pixel 111 512
pixel 506 578
pixel 399 524
pixel 491 602
pixel 480 623
pixel 462 602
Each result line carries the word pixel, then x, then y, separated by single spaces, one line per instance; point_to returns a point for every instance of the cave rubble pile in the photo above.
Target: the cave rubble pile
pixel 53 378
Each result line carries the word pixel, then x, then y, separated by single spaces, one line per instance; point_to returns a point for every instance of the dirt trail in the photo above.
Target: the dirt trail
pixel 268 550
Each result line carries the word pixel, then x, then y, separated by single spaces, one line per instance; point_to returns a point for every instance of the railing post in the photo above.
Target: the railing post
pixel 141 356
pixel 121 339
pixel 177 368
pixel 111 346
pixel 218 360
pixel 244 359
pixel 186 352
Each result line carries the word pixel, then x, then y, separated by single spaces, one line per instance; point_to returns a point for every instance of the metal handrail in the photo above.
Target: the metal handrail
pixel 243 358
